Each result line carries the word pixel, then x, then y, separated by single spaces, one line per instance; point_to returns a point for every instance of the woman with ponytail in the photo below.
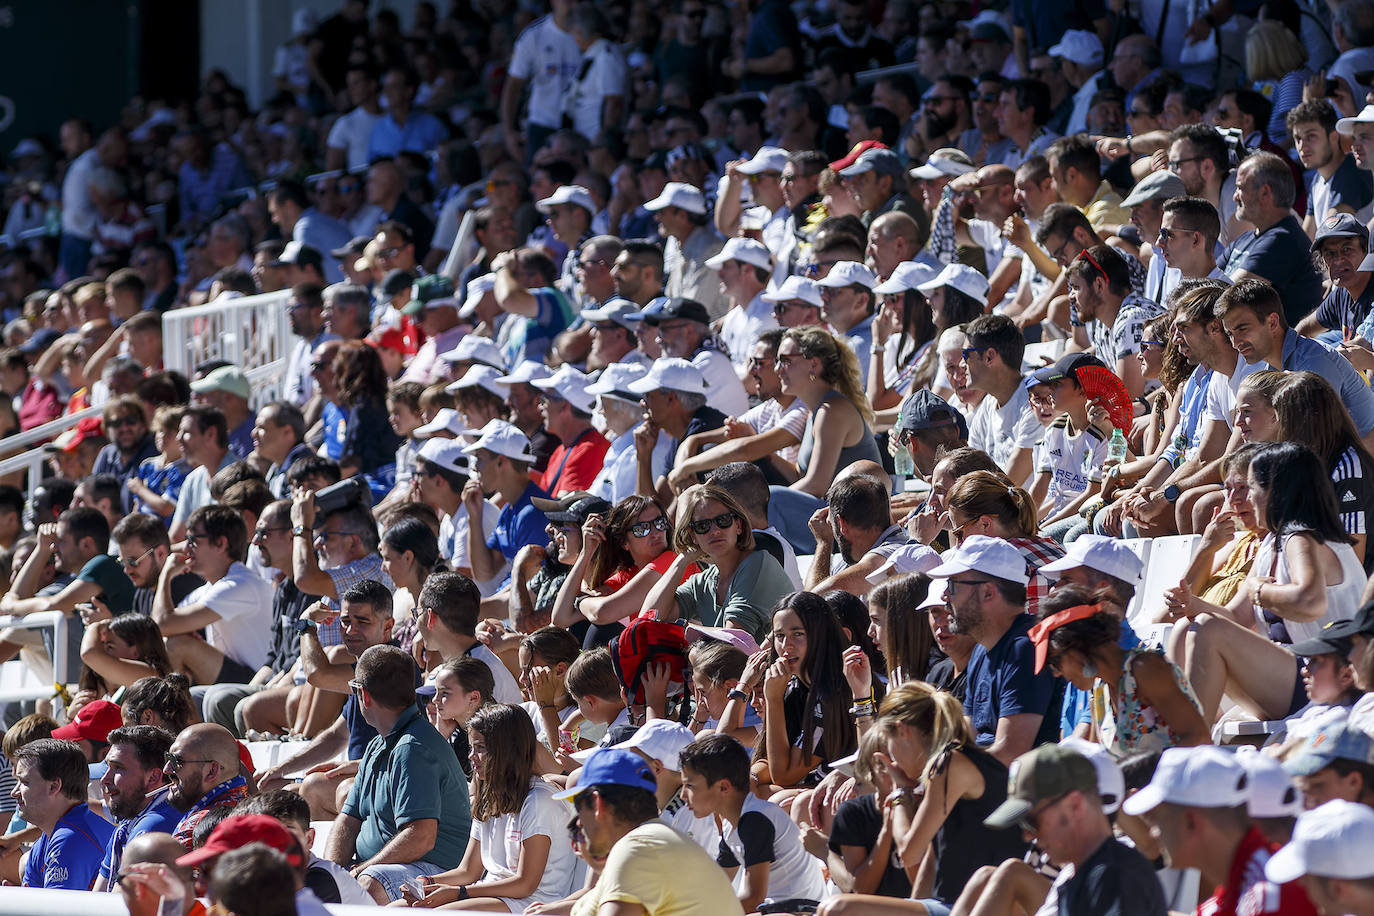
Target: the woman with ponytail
pixel 817 368
pixel 944 787
pixel 986 503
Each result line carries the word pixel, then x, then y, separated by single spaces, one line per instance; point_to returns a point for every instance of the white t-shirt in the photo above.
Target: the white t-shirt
pixel 606 75
pixel 741 327
pixel 1221 392
pixel 620 467
pixel 453 543
pixel 502 838
pixel 548 58
pixel 1062 456
pixel 724 391
pixel 1000 431
pixel 770 415
pixel 701 830
pixel 243 602
pixel 507 689
pixel 353 132
pixel 765 833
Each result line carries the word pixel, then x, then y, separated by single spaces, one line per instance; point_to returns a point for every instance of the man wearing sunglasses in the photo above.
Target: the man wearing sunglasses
pixel 142 549
pixel 203 769
pixel 1054 797
pixel 126 425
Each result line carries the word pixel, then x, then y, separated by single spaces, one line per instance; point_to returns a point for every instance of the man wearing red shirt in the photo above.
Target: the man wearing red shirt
pixel 567 410
pixel 1196 808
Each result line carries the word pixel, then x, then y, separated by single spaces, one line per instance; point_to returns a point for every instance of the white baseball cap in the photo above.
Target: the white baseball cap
pixel 754 218
pixel 475 349
pixel 679 194
pixel 795 287
pixel 569 194
pixel 481 376
pixel 935 596
pixel 909 558
pixel 477 288
pixel 849 273
pixel 1330 841
pixel 1346 126
pixel 960 276
pixel 1272 793
pixel 1198 777
pixel 1106 555
pixel 750 251
pixel 502 438
pixel 525 373
pixel 615 381
pixel 622 311
pixel 978 553
pixel 445 419
pixel 570 385
pixel 1080 46
pixel 908 275
pixel 944 163
pixel 662 740
pixel 1111 783
pixel 446 453
pixel 767 159
pixel 672 373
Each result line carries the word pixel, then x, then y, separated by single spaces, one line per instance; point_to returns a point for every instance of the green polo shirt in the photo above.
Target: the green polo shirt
pixel 411 774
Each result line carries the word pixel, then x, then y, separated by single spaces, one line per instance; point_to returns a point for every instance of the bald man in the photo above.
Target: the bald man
pixel 893 238
pixel 203 770
pixel 151 861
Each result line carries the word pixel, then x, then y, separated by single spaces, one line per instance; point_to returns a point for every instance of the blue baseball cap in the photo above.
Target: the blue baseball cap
pixel 609 766
pixel 1325 746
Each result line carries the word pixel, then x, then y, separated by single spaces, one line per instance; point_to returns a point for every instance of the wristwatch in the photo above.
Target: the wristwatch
pixel 1171 492
pixel 298 531
pixel 305 624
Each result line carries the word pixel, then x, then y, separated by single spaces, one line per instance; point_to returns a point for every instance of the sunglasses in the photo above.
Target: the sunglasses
pixel 123 421
pixel 175 762
pixel 723 521
pixel 969 351
pixel 130 564
pixel 642 529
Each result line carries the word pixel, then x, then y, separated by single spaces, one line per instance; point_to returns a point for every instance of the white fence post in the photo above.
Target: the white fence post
pixel 252 332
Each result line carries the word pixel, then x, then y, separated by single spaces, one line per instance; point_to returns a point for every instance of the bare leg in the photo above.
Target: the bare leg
pixel 484 904
pixel 1226 658
pixel 193 654
pixel 375 888
pixel 1203 508
pixel 264 711
pixel 1015 889
pixel 321 792
pixel 968 898
pixel 324 711
pixel 869 905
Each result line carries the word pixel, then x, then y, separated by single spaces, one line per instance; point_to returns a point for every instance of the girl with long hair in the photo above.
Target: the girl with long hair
pixel 164 701
pixel 944 787
pixel 545 656
pixel 410 552
pixel 816 367
pixel 462 686
pixel 369 443
pixel 903 331
pixel 716 670
pixel 117 651
pixel 986 503
pixel 518 855
pixel 1305 575
pixel 623 555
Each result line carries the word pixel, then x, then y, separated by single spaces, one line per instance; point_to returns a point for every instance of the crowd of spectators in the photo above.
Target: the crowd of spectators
pixel 710 468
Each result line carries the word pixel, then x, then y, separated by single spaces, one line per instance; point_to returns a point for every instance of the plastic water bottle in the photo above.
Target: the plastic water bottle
pixel 1116 449
pixel 903 465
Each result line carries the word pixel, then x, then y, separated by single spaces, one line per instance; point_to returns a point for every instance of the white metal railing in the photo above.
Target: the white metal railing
pixel 58 621
pixel 253 332
pixel 31 460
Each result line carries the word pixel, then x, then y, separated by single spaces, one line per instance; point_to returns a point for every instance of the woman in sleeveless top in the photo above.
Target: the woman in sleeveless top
pixel 1139 700
pixel 815 366
pixel 945 787
pixel 1305 575
pixel 1227 550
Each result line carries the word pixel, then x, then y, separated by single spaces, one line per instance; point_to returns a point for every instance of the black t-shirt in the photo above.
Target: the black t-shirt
pixel 858 823
pixel 321 881
pixel 942 675
pixel 1116 880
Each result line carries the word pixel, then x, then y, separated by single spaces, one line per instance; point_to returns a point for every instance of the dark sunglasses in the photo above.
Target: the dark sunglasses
pixel 722 521
pixel 176 761
pixel 642 529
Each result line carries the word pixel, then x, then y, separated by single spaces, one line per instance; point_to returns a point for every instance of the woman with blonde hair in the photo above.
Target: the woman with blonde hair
pixel 1276 64
pixel 944 787
pixel 740 586
pixel 817 368
pixel 986 503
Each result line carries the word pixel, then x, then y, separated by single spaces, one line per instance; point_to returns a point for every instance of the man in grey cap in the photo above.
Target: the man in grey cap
pixel 927 425
pixel 1342 246
pixel 877 182
pixel 1146 203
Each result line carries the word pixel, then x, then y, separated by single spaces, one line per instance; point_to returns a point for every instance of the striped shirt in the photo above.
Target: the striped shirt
pixel 1354 483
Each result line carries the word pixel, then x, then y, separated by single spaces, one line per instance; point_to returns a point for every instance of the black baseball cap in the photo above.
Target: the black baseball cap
pixel 1065 367
pixel 1337 635
pixel 677 307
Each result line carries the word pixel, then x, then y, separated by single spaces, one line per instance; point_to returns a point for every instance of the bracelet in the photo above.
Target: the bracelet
pixel 696 721
pixel 861 712
pixel 736 694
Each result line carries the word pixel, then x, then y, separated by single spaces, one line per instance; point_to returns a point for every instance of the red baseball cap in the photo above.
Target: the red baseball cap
pixel 94 722
pixel 858 150
pixel 388 338
pixel 238 830
pixel 69 439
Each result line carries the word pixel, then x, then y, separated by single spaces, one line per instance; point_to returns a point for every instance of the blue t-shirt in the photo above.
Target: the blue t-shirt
pixel 159 816
pixel 335 421
pixel 1282 255
pixel 1003 683
pixel 1303 354
pixel 360 734
pixel 1077 708
pixel 519 523
pixel 69 858
pixel 530 338
pixel 422 132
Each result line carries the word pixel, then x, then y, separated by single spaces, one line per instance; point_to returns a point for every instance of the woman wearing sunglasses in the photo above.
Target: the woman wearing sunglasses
pixel 740 586
pixel 623 555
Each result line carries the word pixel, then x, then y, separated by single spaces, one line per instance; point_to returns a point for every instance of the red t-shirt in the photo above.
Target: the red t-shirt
pixel 575 467
pixel 617 580
pixel 1248 893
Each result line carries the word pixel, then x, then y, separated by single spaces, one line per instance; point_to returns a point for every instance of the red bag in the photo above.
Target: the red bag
pixel 646 641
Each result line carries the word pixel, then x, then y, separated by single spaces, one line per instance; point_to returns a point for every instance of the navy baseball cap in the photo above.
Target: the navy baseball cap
pixel 677 307
pixel 612 767
pixel 1339 226
pixel 924 409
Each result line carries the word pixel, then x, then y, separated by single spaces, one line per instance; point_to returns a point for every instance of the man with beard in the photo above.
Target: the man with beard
pixel 203 770
pixel 126 422
pixel 132 786
pixel 1340 185
pixel 51 782
pixel 143 550
pixel 856 519
pixel 985 589
pixel 945 114
pixel 984 141
pixel 305 311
